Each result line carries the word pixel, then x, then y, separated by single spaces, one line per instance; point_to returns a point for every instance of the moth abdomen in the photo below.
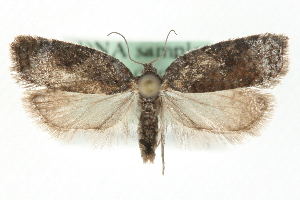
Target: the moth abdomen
pixel 148 129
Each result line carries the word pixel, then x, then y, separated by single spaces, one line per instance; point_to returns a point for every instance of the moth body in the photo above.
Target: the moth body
pixel 149 87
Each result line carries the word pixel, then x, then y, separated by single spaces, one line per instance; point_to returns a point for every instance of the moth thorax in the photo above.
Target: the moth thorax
pixel 149 86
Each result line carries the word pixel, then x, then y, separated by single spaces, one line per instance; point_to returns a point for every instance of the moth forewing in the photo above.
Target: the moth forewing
pixel 253 61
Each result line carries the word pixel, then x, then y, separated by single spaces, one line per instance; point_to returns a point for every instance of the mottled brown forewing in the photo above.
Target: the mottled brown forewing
pixel 258 60
pixel 68 67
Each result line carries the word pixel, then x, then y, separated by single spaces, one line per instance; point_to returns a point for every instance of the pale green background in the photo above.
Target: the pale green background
pixel 143 52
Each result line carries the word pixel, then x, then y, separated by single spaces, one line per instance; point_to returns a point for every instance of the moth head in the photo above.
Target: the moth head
pixel 149 85
pixel 148 68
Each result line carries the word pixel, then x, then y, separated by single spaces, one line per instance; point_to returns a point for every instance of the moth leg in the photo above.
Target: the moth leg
pixel 158 143
pixel 162 135
pixel 162 139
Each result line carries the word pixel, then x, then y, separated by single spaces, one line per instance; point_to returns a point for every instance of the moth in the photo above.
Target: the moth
pixel 210 94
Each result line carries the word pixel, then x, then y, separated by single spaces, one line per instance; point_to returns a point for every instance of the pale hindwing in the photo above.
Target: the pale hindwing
pixel 201 119
pixel 69 114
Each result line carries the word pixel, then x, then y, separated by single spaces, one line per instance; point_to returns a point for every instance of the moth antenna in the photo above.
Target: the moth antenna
pixel 165 47
pixel 127 47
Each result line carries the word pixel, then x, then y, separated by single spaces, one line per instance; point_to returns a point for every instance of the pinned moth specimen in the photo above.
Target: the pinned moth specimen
pixel 210 94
